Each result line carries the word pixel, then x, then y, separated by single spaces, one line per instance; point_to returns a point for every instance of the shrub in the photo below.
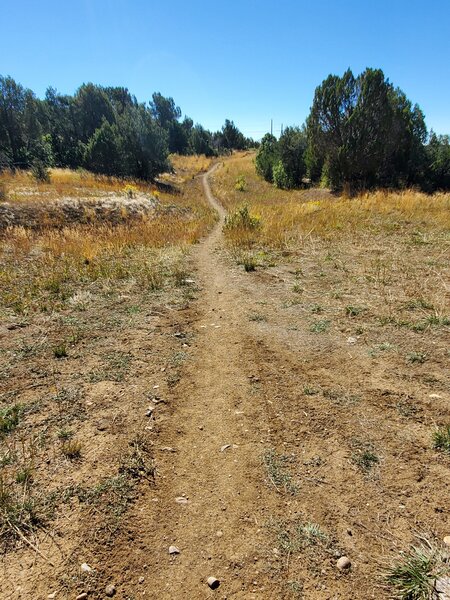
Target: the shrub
pixel 130 190
pixel 241 184
pixel 40 172
pixel 242 219
pixel 280 177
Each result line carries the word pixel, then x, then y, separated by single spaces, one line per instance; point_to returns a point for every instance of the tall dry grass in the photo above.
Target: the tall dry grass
pixel 41 268
pixel 287 217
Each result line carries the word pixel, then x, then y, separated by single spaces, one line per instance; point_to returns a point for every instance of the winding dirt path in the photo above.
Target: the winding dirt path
pixel 217 529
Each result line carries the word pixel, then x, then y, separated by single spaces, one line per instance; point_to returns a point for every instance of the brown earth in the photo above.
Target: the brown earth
pixel 257 428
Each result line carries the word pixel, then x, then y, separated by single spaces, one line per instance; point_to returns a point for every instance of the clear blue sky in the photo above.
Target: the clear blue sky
pixel 248 60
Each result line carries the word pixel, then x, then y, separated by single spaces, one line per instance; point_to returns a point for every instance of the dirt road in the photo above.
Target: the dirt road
pixel 216 435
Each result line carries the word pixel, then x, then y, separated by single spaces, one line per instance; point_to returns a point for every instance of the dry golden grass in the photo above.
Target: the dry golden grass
pixel 287 217
pixel 42 267
pixel 22 187
pixel 190 165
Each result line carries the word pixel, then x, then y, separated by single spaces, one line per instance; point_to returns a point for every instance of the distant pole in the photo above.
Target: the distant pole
pixel 281 128
pixel 271 126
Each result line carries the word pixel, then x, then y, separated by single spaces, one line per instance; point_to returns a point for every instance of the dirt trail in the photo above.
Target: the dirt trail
pixel 218 528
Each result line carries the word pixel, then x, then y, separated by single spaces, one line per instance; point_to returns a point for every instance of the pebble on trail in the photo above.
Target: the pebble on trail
pixel 343 563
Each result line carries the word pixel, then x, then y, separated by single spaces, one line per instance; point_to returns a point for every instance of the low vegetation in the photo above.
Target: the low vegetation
pixel 71 291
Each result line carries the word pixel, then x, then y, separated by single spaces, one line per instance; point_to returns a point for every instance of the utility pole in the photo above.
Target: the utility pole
pixel 271 126
pixel 281 128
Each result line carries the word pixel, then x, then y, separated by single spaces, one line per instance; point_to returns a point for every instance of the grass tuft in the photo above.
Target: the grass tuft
pixel 441 439
pixel 414 575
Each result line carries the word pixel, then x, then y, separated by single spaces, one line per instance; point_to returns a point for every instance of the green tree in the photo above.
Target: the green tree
pixel 103 152
pixel 363 132
pixel 267 156
pixel 231 138
pixel 201 141
pixel 291 148
pixel 438 158
pixel 20 127
pixel 91 107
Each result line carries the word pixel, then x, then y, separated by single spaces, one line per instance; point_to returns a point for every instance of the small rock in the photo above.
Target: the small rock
pixel 213 583
pixel 51 596
pixel 82 596
pixel 447 540
pixel 110 590
pixel 85 568
pixel 141 579
pixel 150 410
pixel 442 587
pixel 181 500
pixel 434 396
pixel 225 447
pixel 173 550
pixel 167 449
pixel 219 533
pixel 351 340
pixel 343 563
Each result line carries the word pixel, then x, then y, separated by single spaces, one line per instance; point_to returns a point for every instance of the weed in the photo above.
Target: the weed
pixel 275 465
pixel 309 391
pixel 240 184
pixel 383 347
pixel 417 357
pixel 138 463
pixel 24 476
pixel 113 494
pixel 9 418
pixel 354 311
pixel 297 288
pixel 72 449
pixel 295 588
pixel 60 351
pixel 364 456
pixel 316 309
pixel 130 190
pixel 418 303
pixel 20 512
pixel 406 409
pixel 413 576
pixel 242 219
pixel 257 318
pixel 249 263
pixel 297 536
pixel 320 326
pixel 441 439
pixel 64 434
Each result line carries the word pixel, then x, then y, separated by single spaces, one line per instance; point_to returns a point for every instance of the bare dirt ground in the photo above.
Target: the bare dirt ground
pixel 256 458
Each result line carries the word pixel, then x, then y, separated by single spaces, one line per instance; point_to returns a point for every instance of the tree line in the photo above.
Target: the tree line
pixel 361 133
pixel 103 129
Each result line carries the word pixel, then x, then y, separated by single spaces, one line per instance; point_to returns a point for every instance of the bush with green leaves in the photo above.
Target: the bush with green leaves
pixel 280 177
pixel 40 172
pixel 242 219
pixel 267 157
pixel 240 184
